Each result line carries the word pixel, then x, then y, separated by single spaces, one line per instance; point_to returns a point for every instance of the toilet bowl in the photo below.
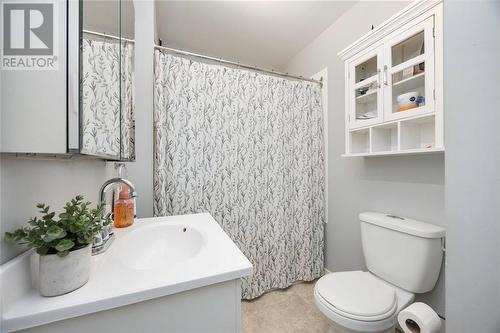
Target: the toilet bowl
pixel 359 301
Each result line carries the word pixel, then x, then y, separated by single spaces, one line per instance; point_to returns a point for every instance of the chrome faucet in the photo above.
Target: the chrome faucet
pixel 103 240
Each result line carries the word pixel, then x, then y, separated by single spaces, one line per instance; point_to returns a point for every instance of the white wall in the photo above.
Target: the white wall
pixel 411 186
pixel 27 181
pixel 472 119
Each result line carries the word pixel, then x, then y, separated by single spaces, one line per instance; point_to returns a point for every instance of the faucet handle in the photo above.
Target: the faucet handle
pixel 108 229
pixel 104 231
pixel 98 240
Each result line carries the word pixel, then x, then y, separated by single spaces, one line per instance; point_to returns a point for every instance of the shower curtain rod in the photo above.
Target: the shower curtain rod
pixel 237 64
pixel 101 34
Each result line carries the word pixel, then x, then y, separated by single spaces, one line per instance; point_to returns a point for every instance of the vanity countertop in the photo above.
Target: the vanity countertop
pixel 137 267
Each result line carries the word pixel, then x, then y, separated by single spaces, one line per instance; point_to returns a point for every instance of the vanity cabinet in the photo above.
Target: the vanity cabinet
pixel 83 103
pixel 394 84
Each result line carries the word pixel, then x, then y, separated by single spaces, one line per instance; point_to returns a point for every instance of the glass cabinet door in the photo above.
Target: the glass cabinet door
pixel 365 93
pixel 408 73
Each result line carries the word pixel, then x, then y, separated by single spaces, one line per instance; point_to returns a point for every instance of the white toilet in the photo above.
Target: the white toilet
pixel 403 257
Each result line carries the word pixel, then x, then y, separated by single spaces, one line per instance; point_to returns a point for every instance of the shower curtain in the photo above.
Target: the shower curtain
pixel 105 130
pixel 247 148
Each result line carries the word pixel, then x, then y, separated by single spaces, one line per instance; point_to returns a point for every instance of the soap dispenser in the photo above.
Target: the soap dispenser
pixel 124 209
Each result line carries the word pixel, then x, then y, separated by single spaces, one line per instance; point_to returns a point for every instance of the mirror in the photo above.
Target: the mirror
pixel 107 118
pixel 128 61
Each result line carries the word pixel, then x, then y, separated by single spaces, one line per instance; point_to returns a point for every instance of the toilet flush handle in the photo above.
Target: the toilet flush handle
pixel 396 217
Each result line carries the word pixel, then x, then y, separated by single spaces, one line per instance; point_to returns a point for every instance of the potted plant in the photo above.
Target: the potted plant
pixel 64 244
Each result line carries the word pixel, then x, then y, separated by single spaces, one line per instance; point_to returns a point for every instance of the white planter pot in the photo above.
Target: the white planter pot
pixel 61 275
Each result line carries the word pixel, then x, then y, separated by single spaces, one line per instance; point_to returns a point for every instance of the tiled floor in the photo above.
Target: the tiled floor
pixel 291 310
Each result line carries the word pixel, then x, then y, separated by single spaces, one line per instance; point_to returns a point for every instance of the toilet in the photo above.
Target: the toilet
pixel 403 257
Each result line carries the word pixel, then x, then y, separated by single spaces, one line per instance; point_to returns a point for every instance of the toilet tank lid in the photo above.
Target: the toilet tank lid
pixel 403 224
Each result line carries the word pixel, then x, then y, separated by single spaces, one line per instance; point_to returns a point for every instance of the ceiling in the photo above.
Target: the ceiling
pixel 262 33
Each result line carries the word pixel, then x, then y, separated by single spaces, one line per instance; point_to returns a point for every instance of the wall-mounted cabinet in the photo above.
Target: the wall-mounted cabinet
pixel 394 85
pixel 84 102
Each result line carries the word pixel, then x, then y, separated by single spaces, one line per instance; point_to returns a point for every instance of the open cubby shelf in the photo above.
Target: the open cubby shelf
pixel 406 136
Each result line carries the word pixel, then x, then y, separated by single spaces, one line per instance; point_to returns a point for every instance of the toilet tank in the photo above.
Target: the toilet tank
pixel 402 251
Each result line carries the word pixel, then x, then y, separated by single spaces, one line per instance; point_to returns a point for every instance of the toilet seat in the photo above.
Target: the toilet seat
pixel 357 295
pixel 350 317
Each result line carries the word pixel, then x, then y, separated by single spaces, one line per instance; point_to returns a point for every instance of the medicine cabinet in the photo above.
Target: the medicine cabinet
pixel 85 104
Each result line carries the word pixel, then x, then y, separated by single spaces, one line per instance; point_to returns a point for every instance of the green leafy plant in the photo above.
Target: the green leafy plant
pixel 74 229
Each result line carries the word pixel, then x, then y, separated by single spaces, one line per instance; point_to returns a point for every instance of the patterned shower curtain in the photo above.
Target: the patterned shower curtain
pixel 247 148
pixel 102 119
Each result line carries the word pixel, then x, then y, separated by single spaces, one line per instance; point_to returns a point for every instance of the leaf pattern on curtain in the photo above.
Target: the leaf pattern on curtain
pixel 248 148
pixel 100 119
pixel 101 115
pixel 128 102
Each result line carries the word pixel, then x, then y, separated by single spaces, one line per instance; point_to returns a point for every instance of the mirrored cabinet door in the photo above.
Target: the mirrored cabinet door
pixel 127 123
pixel 33 95
pixel 83 103
pixel 107 118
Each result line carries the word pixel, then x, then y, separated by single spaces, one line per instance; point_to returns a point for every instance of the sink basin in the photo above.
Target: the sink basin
pixel 152 259
pixel 159 246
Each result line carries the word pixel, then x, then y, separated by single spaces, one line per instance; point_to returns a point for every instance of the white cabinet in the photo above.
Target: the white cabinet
pixel 394 85
pixel 75 94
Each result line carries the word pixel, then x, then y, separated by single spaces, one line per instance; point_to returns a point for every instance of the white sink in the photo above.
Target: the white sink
pixel 155 257
pixel 155 246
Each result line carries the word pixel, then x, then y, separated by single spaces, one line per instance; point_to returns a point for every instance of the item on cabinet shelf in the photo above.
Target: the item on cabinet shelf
pixel 420 68
pixel 367 115
pixel 124 209
pixel 421 100
pixel 396 77
pixel 372 87
pixel 405 108
pixel 63 244
pixel 408 99
pixel 407 73
pixel 363 90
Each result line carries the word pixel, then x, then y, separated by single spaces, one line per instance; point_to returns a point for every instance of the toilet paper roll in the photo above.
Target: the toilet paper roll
pixel 419 318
